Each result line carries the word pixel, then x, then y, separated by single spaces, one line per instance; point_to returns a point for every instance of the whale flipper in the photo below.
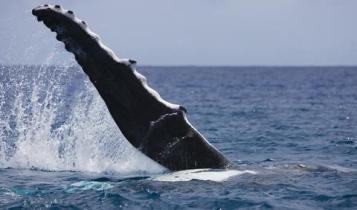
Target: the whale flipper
pixel 156 127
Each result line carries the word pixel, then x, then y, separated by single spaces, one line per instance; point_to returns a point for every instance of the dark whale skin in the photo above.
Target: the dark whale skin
pixel 156 127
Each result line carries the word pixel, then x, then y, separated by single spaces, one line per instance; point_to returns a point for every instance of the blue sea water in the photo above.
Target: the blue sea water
pixel 294 127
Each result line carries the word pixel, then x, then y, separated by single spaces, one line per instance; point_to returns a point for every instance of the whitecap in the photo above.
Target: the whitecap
pixel 201 174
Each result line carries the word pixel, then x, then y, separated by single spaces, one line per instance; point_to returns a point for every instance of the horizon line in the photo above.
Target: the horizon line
pixel 204 66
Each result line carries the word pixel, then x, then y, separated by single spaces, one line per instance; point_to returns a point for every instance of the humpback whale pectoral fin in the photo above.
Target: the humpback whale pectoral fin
pixel 155 126
pixel 174 143
pixel 164 133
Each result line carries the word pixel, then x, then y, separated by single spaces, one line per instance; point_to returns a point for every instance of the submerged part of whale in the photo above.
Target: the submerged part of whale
pixel 156 127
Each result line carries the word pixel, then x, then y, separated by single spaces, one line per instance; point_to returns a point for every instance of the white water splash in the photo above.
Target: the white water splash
pixel 201 174
pixel 53 119
pixel 88 185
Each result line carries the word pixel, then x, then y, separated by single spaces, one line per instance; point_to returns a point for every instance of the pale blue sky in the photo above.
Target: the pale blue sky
pixel 193 32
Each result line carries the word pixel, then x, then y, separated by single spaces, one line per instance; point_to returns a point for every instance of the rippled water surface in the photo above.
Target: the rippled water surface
pixel 292 131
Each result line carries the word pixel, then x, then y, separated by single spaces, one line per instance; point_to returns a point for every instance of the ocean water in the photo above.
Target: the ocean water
pixel 291 130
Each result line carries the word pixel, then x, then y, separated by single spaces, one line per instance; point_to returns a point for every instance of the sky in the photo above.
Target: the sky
pixel 193 32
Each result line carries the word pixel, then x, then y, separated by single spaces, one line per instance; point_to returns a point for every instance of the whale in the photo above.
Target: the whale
pixel 156 127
